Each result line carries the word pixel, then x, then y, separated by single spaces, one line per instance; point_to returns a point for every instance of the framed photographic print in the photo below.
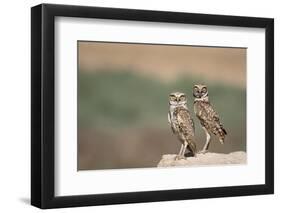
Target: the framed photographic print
pixel 139 106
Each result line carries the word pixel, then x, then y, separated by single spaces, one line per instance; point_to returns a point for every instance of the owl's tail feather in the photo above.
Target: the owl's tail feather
pixel 222 134
pixel 223 129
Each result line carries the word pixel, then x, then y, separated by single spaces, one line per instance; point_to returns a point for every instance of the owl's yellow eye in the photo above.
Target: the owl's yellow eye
pixel 204 89
pixel 173 98
pixel 182 98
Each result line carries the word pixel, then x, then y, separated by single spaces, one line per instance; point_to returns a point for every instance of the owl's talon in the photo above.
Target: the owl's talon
pixel 202 151
pixel 179 157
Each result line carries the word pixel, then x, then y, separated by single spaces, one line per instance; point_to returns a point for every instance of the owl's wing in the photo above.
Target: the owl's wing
pixel 210 116
pixel 185 122
pixel 207 112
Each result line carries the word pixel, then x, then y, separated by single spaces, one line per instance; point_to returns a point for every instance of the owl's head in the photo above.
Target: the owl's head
pixel 177 99
pixel 200 91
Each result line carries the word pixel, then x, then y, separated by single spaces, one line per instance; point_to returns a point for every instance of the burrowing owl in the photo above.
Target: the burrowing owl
pixel 209 119
pixel 181 123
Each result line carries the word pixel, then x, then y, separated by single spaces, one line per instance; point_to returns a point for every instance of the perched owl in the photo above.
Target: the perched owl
pixel 209 119
pixel 181 123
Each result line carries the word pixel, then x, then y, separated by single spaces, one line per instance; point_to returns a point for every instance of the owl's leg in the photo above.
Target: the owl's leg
pixel 184 149
pixel 179 156
pixel 208 139
pixel 180 153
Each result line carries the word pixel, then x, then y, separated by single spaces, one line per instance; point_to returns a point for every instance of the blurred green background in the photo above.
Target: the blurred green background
pixel 123 105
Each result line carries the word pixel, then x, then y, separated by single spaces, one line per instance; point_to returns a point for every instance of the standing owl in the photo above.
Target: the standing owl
pixel 181 123
pixel 209 119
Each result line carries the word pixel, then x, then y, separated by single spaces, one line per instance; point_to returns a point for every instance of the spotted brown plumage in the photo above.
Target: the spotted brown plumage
pixel 208 117
pixel 181 123
pixel 186 127
pixel 185 122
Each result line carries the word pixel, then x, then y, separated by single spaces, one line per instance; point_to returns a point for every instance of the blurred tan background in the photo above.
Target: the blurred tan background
pixel 123 100
pixel 166 62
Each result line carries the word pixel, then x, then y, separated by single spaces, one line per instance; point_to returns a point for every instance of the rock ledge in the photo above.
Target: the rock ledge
pixel 209 158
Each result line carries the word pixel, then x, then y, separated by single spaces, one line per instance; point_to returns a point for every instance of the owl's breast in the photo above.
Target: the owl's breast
pixel 196 107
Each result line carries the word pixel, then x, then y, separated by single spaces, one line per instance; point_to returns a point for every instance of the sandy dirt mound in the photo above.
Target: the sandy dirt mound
pixel 204 159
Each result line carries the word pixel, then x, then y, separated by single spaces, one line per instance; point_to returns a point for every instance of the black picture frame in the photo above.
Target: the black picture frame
pixel 43 102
